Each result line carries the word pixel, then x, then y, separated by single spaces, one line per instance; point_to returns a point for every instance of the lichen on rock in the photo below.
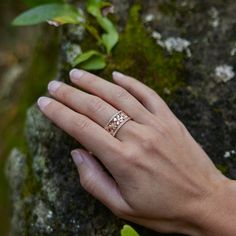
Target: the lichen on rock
pixel 16 172
pixel 224 73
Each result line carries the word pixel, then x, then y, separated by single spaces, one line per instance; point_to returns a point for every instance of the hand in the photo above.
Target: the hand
pixel 161 178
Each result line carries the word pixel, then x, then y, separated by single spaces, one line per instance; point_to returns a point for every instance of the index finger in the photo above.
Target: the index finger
pixel 88 133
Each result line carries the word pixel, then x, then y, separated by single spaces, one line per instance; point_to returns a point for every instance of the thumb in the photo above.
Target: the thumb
pixel 95 180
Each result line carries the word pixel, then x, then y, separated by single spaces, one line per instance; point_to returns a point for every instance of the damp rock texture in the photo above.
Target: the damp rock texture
pixel 185 50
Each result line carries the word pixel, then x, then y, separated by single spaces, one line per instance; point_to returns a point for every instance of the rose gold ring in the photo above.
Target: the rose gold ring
pixel 116 122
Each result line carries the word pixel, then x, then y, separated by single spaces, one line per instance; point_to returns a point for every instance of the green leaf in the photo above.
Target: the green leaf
pixel 111 36
pixel 94 7
pixel 59 13
pixel 94 63
pixel 90 60
pixel 110 40
pixel 128 231
pixel 85 56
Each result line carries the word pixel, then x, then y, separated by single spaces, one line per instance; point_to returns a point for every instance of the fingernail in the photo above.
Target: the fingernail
pixel 117 75
pixel 43 102
pixel 76 74
pixel 77 157
pixel 53 86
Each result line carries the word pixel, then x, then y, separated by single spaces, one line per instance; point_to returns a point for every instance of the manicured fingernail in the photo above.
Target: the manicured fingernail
pixel 53 86
pixel 77 157
pixel 43 102
pixel 117 75
pixel 76 74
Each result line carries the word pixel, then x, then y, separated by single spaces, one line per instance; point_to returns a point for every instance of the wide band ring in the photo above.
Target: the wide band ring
pixel 116 122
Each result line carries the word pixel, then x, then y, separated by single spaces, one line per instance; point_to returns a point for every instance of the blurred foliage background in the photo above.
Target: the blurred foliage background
pixel 28 60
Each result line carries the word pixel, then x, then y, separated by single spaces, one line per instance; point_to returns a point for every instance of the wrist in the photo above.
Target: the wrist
pixel 216 214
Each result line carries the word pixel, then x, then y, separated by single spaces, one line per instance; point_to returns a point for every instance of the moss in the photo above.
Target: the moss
pixel 138 54
pixel 31 185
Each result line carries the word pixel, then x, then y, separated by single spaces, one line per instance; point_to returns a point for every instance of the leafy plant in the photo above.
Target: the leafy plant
pixel 57 13
pixel 128 231
pixel 90 60
pixel 110 37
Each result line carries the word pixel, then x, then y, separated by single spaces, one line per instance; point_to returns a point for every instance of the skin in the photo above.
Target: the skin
pixel 159 176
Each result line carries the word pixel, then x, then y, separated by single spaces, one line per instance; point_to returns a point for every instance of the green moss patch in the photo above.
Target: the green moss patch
pixel 137 54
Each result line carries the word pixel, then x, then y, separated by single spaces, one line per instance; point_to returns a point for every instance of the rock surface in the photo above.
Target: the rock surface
pixel 47 196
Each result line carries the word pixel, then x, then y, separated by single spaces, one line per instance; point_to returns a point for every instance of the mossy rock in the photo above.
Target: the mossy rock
pixel 50 199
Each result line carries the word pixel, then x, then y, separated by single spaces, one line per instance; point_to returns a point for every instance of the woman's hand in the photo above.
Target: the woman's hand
pixel 161 178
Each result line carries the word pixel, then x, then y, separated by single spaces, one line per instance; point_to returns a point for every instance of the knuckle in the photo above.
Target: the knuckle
pixel 153 96
pixel 96 105
pixel 170 127
pixel 149 141
pixel 130 87
pixel 152 93
pixel 175 125
pixel 122 93
pixel 163 129
pixel 82 124
pixel 132 158
pixel 86 182
pixel 64 92
pixel 56 110
pixel 128 154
